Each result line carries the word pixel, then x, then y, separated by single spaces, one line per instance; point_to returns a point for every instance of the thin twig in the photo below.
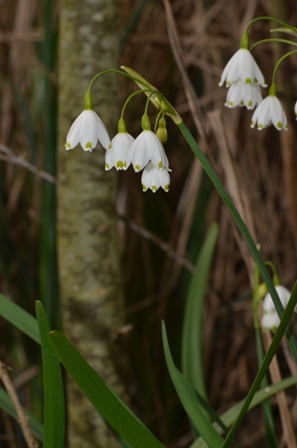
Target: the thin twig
pixel 158 242
pixel 11 157
pixel 22 418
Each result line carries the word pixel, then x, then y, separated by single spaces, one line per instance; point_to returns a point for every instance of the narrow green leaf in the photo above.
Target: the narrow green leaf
pixel 54 407
pixel 108 404
pixel 7 405
pixel 243 229
pixel 19 318
pixel 271 438
pixel 190 404
pixel 229 416
pixel 192 332
pixel 267 360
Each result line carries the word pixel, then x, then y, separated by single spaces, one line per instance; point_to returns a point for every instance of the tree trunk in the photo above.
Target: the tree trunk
pixel 87 226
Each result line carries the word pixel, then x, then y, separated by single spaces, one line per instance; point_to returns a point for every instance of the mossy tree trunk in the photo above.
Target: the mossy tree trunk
pixel 87 227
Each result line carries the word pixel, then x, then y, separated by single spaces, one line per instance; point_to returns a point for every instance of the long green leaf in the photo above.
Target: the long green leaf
pixel 7 405
pixel 190 404
pixel 110 407
pixel 54 407
pixel 19 318
pixel 230 416
pixel 267 360
pixel 242 227
pixel 192 356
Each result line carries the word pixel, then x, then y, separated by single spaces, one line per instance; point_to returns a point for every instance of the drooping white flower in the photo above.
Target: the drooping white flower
pixel 145 148
pixel 270 111
pixel 116 155
pixel 270 319
pixel 87 129
pixel 240 94
pixel 295 110
pixel 153 178
pixel 242 66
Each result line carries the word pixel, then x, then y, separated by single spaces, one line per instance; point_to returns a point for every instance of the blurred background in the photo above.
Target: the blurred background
pixel 180 47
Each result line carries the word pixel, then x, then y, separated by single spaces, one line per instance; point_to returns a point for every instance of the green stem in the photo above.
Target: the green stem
pixel 119 72
pixel 128 100
pixel 274 39
pixel 271 19
pixel 264 367
pixel 280 61
pixel 242 227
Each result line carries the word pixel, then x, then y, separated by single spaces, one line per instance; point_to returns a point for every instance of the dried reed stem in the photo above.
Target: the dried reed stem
pixel 23 419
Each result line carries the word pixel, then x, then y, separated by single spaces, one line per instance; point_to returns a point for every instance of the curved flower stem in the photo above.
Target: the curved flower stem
pixel 128 100
pixel 280 61
pixel 271 19
pixel 119 72
pixel 274 39
pixel 243 229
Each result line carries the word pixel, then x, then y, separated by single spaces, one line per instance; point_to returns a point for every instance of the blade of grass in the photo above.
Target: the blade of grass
pixel 7 406
pixel 267 360
pixel 54 408
pixel 108 404
pixel 192 332
pixel 242 227
pixel 19 318
pixel 190 404
pixel 266 407
pixel 229 416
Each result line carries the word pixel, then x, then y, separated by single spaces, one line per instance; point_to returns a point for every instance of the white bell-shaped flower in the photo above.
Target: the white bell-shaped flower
pixel 242 67
pixel 116 154
pixel 145 148
pixel 240 94
pixel 270 111
pixel 295 110
pixel 270 319
pixel 153 178
pixel 87 129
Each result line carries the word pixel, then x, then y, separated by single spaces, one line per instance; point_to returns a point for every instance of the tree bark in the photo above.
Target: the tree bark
pixel 88 251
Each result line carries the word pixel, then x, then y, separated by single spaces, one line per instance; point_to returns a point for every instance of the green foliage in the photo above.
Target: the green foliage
pixel 192 356
pixel 54 408
pixel 111 408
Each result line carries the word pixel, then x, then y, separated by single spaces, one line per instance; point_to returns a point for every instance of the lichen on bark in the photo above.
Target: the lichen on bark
pixel 88 251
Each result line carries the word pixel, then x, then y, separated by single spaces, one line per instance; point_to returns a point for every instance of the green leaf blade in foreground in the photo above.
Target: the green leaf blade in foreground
pixel 191 406
pixel 230 416
pixel 192 333
pixel 266 362
pixel 54 406
pixel 7 405
pixel 243 229
pixel 110 407
pixel 19 318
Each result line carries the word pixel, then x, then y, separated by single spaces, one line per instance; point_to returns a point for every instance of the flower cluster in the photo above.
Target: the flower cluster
pixel 145 153
pixel 243 77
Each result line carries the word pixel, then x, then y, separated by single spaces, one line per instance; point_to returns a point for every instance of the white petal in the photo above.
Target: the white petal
pixel 154 179
pixel 295 110
pixel 138 154
pixel 102 135
pixel 270 111
pixel 109 160
pixel 72 138
pixel 121 144
pixel 89 130
pixel 284 295
pixel 270 321
pixel 278 116
pixel 156 150
pixel 242 66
